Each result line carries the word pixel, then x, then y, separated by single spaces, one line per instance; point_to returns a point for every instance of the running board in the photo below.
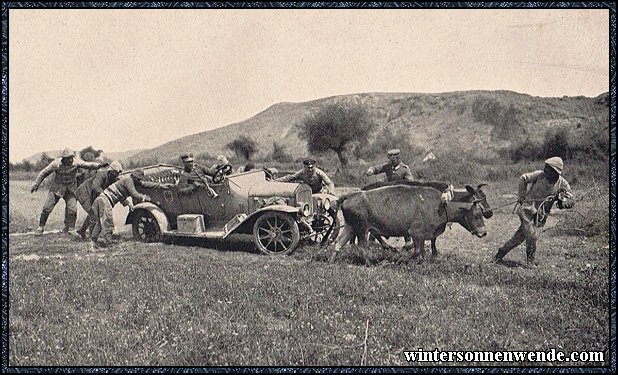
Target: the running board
pixel 210 235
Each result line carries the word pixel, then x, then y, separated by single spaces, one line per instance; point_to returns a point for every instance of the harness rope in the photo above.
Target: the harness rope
pixel 543 211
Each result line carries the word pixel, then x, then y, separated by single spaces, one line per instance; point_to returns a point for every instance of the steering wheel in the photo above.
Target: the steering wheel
pixel 269 174
pixel 220 173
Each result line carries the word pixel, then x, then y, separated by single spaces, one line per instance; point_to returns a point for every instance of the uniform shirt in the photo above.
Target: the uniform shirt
pixel 314 180
pixel 65 178
pixel 85 174
pixel 87 192
pixel 122 189
pixel 540 188
pixel 189 181
pixel 398 172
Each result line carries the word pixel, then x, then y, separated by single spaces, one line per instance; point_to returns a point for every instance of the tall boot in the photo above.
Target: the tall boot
pixel 69 221
pixel 82 231
pixel 43 218
pixel 530 252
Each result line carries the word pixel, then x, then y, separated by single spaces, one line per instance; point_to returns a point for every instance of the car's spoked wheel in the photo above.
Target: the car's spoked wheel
pixel 145 227
pixel 321 225
pixel 275 233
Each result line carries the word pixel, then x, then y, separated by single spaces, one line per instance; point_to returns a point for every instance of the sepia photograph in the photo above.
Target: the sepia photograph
pixel 305 186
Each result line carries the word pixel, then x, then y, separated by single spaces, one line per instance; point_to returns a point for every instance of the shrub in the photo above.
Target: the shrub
pixel 243 146
pixel 505 119
pixel 280 154
pixel 556 143
pixel 523 150
pixel 43 162
pixel 589 216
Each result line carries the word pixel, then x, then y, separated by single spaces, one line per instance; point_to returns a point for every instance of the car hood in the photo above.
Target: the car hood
pixel 270 188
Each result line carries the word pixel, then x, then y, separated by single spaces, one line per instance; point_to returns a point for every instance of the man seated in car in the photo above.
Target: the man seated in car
pixel 312 176
pixel 193 176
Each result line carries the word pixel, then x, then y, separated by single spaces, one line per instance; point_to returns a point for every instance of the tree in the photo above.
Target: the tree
pixel 44 161
pixel 335 127
pixel 279 153
pixel 243 146
pixel 89 149
pixel 556 143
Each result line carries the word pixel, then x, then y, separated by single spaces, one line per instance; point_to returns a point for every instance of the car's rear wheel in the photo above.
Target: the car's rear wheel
pixel 145 227
pixel 275 233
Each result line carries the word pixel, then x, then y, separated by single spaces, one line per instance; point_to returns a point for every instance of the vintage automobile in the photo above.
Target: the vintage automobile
pixel 278 215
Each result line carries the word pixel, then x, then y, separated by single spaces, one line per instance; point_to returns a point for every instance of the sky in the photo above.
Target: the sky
pixel 124 79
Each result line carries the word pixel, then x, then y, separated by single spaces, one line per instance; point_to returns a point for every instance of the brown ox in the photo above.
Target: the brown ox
pixel 405 210
pixel 468 195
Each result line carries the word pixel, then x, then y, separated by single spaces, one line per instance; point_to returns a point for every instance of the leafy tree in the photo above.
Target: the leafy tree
pixel 243 146
pixel 44 161
pixel 91 150
pixel 556 144
pixel 335 127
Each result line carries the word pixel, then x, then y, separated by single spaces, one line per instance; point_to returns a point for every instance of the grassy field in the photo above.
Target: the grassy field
pixel 224 305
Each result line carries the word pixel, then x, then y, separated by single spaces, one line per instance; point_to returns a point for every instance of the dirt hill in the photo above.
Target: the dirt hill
pixel 480 122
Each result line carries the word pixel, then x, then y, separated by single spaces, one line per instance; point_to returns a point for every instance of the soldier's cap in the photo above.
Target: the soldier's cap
pixel 67 153
pixel 116 166
pixel 393 152
pixel 138 174
pixel 555 163
pixel 309 162
pixel 186 157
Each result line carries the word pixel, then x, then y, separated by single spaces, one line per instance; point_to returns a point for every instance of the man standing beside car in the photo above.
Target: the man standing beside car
pixel 312 176
pixel 90 189
pixel 119 191
pixel 395 169
pixel 62 186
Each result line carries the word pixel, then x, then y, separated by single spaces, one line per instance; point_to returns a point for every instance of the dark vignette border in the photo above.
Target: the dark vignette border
pixel 612 166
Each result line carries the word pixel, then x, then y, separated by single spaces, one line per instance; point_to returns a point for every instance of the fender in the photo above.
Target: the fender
pixel 250 219
pixel 155 210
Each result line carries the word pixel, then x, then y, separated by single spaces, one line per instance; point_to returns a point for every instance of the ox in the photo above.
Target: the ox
pixel 469 195
pixel 405 210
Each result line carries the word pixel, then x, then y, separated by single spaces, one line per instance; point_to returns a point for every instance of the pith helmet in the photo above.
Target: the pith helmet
pixel 67 153
pixel 116 166
pixel 556 163
pixel 138 174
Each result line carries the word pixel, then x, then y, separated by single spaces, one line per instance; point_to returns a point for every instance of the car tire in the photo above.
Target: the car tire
pixel 145 227
pixel 322 224
pixel 276 233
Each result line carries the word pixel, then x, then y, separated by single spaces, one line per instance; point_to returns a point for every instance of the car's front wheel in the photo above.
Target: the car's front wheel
pixel 325 225
pixel 276 233
pixel 145 227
